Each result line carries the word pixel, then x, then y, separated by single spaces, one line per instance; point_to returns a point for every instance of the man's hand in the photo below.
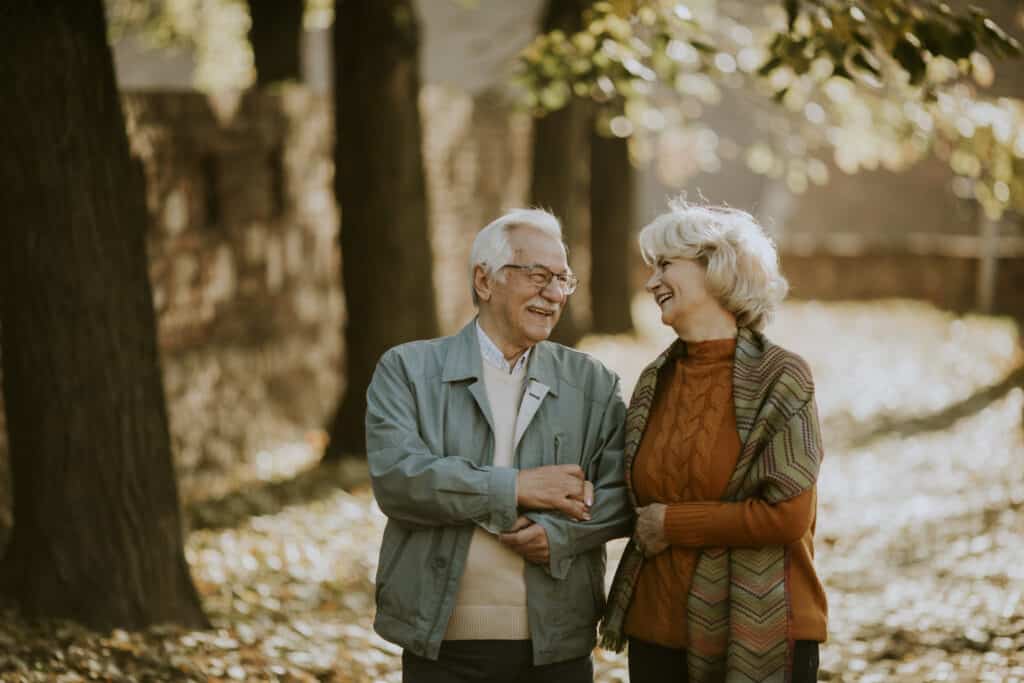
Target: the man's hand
pixel 650 529
pixel 555 487
pixel 529 540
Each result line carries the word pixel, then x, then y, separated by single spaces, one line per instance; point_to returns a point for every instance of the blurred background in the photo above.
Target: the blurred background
pixel 315 173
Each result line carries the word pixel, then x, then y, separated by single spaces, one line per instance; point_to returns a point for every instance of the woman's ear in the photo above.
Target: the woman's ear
pixel 482 283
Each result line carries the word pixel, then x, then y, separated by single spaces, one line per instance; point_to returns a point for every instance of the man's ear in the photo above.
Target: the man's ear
pixel 482 283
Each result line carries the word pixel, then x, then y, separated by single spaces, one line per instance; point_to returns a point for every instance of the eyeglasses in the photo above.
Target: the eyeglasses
pixel 541 277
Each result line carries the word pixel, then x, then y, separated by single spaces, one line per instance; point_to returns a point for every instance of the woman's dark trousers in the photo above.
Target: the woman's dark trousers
pixel 650 663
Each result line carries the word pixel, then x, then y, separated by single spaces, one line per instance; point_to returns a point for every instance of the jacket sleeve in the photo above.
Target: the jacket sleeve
pixel 611 514
pixel 418 488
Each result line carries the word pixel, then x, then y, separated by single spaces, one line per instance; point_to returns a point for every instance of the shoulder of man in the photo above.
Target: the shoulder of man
pixel 582 371
pixel 423 356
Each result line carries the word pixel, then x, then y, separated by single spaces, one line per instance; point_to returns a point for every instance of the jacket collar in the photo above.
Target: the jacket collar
pixel 465 362
pixel 543 368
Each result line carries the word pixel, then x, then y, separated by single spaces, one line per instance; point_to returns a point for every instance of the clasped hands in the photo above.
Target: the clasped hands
pixel 562 488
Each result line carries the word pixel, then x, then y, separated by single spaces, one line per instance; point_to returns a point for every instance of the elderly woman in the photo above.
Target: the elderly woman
pixel 722 454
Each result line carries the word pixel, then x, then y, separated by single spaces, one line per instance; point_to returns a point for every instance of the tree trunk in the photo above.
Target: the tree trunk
pixel 558 183
pixel 97 530
pixel 612 212
pixel 381 186
pixel 276 35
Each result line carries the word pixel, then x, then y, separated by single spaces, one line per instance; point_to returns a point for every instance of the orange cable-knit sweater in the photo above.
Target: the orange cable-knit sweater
pixel 685 459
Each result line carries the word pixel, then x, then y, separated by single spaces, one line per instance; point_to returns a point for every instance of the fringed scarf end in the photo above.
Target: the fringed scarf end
pixel 614 642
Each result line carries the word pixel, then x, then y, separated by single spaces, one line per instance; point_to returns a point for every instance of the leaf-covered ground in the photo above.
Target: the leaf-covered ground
pixel 921 525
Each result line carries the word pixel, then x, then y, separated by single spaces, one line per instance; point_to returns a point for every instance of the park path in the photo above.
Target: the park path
pixel 921 522
pixel 921 518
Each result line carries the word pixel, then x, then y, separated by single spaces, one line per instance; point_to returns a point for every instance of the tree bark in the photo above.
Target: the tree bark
pixel 558 183
pixel 612 211
pixel 97 530
pixel 381 186
pixel 276 38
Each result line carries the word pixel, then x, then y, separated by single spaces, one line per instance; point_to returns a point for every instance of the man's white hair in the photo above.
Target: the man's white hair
pixel 491 249
pixel 742 262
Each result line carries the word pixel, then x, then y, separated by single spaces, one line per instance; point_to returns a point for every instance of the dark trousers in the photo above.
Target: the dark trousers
pixel 650 663
pixel 501 661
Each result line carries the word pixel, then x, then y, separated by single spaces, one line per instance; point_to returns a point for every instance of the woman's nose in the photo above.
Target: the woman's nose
pixel 652 281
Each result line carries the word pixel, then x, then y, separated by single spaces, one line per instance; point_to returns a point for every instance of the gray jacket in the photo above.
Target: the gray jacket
pixel 430 444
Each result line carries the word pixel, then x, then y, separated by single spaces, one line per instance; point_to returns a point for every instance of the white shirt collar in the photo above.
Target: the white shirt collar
pixel 493 355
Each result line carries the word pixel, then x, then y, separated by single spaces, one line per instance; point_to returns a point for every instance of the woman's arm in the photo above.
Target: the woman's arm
pixel 748 523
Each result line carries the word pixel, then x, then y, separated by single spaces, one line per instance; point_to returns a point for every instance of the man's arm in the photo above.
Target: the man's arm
pixel 611 515
pixel 416 487
pixel 421 489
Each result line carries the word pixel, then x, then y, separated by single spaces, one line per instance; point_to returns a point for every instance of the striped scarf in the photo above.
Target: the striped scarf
pixel 738 610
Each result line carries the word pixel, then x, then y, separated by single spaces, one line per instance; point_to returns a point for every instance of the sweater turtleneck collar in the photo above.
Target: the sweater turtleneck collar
pixel 710 350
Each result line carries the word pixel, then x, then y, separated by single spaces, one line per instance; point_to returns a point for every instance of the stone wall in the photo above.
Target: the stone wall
pixel 944 273
pixel 244 265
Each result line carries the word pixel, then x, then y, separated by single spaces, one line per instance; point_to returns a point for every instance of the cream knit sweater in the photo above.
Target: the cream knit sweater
pixel 491 602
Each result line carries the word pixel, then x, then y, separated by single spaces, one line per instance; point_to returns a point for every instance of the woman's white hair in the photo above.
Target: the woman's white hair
pixel 491 248
pixel 741 260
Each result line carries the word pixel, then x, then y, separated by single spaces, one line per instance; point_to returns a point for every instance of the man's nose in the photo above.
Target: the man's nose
pixel 553 292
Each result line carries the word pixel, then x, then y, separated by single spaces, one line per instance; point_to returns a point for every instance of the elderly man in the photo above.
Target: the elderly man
pixel 497 457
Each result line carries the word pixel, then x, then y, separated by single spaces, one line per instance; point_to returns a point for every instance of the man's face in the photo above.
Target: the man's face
pixel 523 312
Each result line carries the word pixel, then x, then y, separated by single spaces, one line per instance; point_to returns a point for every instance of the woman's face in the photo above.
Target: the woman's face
pixel 679 287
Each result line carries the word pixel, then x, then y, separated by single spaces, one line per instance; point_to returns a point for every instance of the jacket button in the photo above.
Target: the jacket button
pixel 440 563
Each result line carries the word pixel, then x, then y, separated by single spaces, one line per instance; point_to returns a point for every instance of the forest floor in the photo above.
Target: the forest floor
pixel 919 536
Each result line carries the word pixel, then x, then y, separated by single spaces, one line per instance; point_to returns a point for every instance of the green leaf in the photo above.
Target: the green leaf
pixel 934 35
pixel 800 64
pixel 961 44
pixel 909 57
pixel 796 48
pixel 840 71
pixel 1002 42
pixel 769 66
pixel 861 60
pixel 864 39
pixel 792 12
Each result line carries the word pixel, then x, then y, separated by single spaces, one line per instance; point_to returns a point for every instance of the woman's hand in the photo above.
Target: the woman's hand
pixel 650 529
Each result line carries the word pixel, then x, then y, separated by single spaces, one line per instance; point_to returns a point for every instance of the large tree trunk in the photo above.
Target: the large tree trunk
pixel 97 530
pixel 612 212
pixel 380 184
pixel 559 173
pixel 275 34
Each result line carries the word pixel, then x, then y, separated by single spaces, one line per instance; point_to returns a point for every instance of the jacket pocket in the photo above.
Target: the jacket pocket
pixel 551 449
pixel 581 596
pixel 394 542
